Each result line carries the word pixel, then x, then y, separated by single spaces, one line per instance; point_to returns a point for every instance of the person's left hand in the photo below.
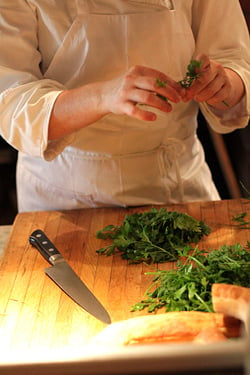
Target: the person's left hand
pixel 218 86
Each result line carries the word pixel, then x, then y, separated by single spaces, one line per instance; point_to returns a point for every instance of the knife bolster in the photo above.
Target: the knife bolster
pixel 56 258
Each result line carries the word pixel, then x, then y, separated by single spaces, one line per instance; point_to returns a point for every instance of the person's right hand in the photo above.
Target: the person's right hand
pixel 139 86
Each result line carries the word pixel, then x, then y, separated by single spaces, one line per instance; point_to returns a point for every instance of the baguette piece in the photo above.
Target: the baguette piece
pixel 209 335
pixel 231 300
pixel 170 327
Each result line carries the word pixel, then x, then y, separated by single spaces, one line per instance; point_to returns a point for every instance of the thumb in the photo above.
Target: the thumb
pixel 204 62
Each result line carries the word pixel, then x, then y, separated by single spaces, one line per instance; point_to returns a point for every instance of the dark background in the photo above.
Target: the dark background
pixel 228 157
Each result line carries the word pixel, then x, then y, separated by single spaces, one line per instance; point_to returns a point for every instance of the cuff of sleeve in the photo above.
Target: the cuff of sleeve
pixel 54 148
pixel 228 120
pixel 51 149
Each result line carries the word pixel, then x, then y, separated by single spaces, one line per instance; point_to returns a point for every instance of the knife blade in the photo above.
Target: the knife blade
pixel 64 276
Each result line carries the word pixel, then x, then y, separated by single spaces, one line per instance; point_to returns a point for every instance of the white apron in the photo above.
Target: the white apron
pixel 119 160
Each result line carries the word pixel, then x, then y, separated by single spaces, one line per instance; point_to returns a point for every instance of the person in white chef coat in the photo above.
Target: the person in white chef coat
pixel 78 85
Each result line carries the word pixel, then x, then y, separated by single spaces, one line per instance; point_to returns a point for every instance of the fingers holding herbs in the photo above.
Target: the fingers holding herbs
pixel 205 81
pixel 212 83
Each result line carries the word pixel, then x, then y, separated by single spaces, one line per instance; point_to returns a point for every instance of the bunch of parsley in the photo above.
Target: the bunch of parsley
pixel 152 236
pixel 188 287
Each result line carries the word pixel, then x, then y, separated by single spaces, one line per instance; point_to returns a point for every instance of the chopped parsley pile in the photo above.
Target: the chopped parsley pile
pixel 152 236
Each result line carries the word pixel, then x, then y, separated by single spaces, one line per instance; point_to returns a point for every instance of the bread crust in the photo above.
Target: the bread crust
pixel 230 303
pixel 231 300
pixel 170 327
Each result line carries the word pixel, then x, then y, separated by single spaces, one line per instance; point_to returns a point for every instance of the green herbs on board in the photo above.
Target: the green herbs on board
pixel 241 221
pixel 160 236
pixel 153 236
pixel 188 287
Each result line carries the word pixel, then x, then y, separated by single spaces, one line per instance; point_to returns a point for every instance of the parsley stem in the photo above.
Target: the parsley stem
pixel 156 246
pixel 226 104
pixel 163 250
pixel 198 262
pixel 208 308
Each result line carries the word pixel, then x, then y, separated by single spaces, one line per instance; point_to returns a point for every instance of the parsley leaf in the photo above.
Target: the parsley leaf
pixel 241 221
pixel 160 83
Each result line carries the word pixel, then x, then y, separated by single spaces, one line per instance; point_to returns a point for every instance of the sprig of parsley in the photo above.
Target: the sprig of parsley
pixel 190 77
pixel 152 236
pixel 161 83
pixel 191 74
pixel 241 221
pixel 188 287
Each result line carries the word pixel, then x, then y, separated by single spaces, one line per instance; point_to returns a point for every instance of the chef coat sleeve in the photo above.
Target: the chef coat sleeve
pixel 26 98
pixel 221 32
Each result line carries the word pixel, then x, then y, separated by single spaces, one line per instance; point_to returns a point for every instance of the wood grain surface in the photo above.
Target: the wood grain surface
pixel 36 315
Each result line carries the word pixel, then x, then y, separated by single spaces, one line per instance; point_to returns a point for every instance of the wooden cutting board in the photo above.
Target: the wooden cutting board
pixel 35 315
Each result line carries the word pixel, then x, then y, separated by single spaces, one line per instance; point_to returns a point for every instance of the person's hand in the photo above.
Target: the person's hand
pixel 139 86
pixel 77 108
pixel 218 86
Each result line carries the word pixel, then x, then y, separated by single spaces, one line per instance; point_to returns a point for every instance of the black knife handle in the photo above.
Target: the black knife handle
pixel 48 250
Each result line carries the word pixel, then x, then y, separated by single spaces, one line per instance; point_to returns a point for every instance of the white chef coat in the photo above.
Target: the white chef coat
pixel 48 46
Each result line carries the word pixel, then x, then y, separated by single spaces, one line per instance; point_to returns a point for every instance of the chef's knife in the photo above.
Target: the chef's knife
pixel 63 275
